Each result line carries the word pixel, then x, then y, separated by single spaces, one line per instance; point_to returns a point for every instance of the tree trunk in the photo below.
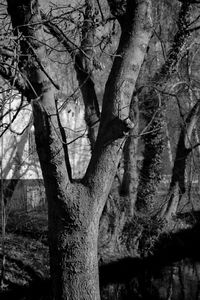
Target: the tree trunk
pixel 171 202
pixel 169 147
pixel 75 266
pixel 82 262
pixel 73 248
pixel 150 173
pixel 130 176
pixel 83 65
pixel 154 115
pixel 184 147
pixel 84 69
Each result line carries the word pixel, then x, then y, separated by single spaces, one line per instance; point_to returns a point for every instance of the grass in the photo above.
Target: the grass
pixel 32 224
pixel 26 249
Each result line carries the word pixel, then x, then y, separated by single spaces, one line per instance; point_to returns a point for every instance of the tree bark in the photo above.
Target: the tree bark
pixel 74 209
pixel 73 234
pixel 130 177
pixel 154 115
pixel 84 69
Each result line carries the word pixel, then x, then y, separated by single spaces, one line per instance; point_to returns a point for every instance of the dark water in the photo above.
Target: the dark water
pixel 179 281
pixel 171 273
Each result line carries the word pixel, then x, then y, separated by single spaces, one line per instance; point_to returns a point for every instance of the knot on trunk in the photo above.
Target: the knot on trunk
pixel 120 128
pixel 117 129
pixel 128 125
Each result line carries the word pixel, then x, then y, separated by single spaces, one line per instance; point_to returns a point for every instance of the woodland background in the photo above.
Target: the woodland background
pixel 149 228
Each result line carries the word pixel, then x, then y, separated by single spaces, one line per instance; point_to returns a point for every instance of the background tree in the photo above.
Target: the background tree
pixel 154 114
pixel 184 147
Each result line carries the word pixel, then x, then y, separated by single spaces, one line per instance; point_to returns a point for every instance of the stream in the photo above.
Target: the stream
pixel 179 281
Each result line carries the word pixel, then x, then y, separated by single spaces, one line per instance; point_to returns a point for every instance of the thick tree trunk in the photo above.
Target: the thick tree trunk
pixel 74 266
pixel 150 173
pixel 73 247
pixel 154 115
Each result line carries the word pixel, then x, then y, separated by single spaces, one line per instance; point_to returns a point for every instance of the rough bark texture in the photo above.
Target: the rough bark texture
pixel 150 174
pixel 154 115
pixel 115 122
pixel 74 209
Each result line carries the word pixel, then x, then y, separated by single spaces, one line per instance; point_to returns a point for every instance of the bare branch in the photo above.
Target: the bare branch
pixel 13 118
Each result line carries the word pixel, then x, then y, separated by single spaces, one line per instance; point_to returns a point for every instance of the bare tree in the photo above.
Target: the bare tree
pixel 74 208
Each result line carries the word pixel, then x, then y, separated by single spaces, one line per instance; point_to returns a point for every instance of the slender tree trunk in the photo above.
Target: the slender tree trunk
pixel 184 147
pixel 84 64
pixel 169 147
pixel 130 176
pixel 3 215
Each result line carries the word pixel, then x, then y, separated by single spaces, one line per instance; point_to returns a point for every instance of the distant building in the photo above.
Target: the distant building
pixel 20 160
